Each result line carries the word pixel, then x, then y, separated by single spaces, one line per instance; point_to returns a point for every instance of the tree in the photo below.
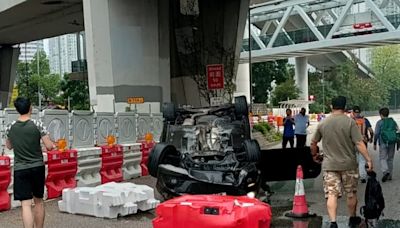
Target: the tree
pixel 386 66
pixel 343 80
pixel 284 91
pixel 29 81
pixel 77 92
pixel 264 73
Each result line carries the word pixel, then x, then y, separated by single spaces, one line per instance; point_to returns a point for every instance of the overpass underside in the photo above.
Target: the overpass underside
pixel 299 28
pixel 134 48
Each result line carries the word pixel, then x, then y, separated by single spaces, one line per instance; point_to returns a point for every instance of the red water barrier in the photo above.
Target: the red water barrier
pixel 5 179
pixel 112 158
pixel 62 168
pixel 213 211
pixel 146 148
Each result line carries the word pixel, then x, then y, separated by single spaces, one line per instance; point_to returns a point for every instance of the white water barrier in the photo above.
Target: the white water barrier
pixel 108 200
pixel 126 130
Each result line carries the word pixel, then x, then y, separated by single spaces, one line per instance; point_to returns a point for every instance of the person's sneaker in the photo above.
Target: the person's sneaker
pixel 363 181
pixel 333 225
pixel 354 221
pixel 389 178
pixel 385 177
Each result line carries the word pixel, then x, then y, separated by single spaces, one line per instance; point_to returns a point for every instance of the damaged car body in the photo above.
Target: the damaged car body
pixel 206 151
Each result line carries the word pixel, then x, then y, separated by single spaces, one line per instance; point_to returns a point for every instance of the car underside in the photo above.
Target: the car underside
pixel 210 150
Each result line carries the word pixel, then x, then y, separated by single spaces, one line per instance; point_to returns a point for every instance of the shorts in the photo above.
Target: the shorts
pixel 29 183
pixel 335 181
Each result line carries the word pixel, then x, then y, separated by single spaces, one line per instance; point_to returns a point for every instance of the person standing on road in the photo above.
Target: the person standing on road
pixel 386 136
pixel 288 131
pixel 24 135
pixel 301 122
pixel 366 131
pixel 339 135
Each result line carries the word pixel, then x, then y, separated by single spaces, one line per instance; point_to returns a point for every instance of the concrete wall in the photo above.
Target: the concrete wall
pixel 8 71
pixel 128 52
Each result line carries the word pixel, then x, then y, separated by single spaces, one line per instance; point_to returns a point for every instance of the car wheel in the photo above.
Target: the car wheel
pixel 241 108
pixel 246 128
pixel 252 150
pixel 169 112
pixel 160 154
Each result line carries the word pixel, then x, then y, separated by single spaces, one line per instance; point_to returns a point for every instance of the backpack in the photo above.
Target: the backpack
pixel 361 124
pixel 388 131
pixel 374 201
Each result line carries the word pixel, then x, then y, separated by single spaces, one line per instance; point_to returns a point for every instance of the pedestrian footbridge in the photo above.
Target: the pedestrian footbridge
pixel 324 30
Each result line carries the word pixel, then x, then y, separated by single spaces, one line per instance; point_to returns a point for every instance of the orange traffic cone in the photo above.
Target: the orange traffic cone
pixel 300 208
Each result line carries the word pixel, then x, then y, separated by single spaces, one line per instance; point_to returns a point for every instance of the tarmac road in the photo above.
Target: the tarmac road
pixel 281 201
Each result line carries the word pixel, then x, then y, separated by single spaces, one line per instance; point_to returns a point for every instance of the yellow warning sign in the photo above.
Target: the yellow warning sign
pixel 13 96
pixel 135 100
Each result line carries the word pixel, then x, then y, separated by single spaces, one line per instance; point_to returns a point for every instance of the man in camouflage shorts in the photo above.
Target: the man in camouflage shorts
pixel 340 135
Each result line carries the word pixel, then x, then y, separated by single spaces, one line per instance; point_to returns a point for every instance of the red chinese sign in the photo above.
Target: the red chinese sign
pixel 215 76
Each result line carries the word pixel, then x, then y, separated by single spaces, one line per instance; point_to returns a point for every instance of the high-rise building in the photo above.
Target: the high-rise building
pixel 62 51
pixel 28 50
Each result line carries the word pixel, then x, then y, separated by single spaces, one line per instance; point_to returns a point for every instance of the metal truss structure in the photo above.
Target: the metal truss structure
pixel 281 29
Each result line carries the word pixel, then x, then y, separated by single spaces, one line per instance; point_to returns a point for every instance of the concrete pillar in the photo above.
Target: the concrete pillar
pixel 127 44
pixel 8 70
pixel 202 35
pixel 301 77
pixel 243 81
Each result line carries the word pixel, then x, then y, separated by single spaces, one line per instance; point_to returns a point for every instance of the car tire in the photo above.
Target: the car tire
pixel 252 150
pixel 158 155
pixel 241 107
pixel 246 128
pixel 169 112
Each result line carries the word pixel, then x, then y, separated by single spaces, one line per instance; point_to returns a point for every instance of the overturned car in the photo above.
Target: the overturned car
pixel 205 151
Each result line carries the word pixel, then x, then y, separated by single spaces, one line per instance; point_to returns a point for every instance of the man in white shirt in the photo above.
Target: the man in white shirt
pixel 301 122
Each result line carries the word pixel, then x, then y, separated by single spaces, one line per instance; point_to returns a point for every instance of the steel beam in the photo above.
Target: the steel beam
pixel 339 44
pixel 256 37
pixel 309 23
pixel 380 15
pixel 265 27
pixel 280 26
pixel 267 16
pixel 340 19
pixel 319 17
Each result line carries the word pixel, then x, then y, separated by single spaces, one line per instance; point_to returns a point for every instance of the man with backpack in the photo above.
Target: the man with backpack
pixel 339 135
pixel 386 136
pixel 366 131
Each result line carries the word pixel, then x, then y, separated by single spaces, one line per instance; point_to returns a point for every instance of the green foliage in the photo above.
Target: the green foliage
pixel 264 73
pixel 29 81
pixel 343 80
pixel 284 91
pixel 386 66
pixel 271 135
pixel 77 91
pixel 262 127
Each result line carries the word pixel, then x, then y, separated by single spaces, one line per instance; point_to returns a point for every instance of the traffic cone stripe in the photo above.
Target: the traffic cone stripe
pixel 299 188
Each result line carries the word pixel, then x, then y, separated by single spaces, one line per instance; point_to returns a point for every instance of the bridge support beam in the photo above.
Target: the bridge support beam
pixel 301 77
pixel 127 52
pixel 243 81
pixel 8 72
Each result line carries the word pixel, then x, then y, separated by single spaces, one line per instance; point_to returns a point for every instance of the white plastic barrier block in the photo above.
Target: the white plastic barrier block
pixel 108 200
pixel 132 158
pixel 158 125
pixel 89 165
